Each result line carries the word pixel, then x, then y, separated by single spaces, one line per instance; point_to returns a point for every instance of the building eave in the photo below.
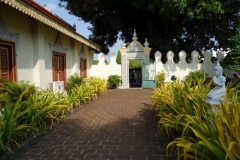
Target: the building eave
pixel 36 11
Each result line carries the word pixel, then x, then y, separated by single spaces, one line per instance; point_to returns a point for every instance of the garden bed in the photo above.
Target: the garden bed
pixel 16 150
pixel 27 111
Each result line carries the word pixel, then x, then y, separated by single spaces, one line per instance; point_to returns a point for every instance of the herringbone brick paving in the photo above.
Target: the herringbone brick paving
pixel 118 125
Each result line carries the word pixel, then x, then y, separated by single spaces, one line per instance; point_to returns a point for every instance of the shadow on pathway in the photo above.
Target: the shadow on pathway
pixel 118 125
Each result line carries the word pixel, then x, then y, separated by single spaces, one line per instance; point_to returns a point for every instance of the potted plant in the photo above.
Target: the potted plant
pixel 114 80
pixel 173 78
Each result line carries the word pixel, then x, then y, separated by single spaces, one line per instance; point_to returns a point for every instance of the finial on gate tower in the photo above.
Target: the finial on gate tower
pixel 134 35
pixel 124 44
pixel 146 43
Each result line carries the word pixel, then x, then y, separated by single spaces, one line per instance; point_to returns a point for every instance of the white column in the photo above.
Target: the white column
pixel 90 62
pixel 124 68
pixel 39 56
pixel 75 59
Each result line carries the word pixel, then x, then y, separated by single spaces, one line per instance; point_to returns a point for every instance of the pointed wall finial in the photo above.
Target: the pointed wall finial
pixel 134 35
pixel 146 43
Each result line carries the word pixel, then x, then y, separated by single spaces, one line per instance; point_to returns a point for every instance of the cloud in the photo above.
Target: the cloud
pixel 64 10
pixel 56 9
pixel 51 7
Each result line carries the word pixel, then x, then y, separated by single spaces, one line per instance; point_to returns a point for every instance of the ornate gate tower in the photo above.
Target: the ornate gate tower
pixel 133 51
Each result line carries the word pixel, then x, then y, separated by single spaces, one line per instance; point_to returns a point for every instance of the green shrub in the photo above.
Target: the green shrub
pixel 10 127
pixel 201 133
pixel 160 77
pixel 15 89
pixel 173 78
pixel 114 80
pixel 40 110
pixel 195 76
pixel 73 81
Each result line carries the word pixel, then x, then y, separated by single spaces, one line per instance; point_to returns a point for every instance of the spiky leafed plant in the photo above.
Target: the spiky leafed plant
pixel 173 99
pixel 194 76
pixel 73 81
pixel 160 79
pixel 98 83
pixel 11 128
pixel 52 108
pixel 15 89
pixel 201 134
pixel 216 135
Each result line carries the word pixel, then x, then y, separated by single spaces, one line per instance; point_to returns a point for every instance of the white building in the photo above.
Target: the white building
pixel 38 46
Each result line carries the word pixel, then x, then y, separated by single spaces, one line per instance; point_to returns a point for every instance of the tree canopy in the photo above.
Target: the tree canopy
pixel 232 60
pixel 167 24
pixel 119 59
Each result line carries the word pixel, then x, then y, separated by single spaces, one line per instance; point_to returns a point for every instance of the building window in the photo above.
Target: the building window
pixel 83 67
pixel 7 61
pixel 59 67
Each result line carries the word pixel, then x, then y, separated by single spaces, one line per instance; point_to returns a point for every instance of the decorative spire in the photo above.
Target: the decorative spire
pixel 124 44
pixel 146 43
pixel 134 35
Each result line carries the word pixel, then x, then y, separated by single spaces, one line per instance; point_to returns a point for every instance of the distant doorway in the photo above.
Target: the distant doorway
pixel 135 73
pixel 135 78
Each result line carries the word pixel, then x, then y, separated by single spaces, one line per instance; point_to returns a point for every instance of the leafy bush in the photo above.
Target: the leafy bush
pixel 114 80
pixel 198 133
pixel 160 77
pixel 15 89
pixel 173 78
pixel 35 111
pixel 99 84
pixel 73 81
pixel 10 128
pixel 87 91
pixel 195 76
pixel 173 99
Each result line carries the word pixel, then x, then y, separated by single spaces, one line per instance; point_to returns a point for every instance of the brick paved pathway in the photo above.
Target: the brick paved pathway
pixel 118 125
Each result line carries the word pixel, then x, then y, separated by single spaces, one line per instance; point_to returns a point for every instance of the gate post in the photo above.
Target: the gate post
pixel 146 51
pixel 124 67
pixel 147 70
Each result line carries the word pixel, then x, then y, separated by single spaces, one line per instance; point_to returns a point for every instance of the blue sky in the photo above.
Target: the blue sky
pixel 81 27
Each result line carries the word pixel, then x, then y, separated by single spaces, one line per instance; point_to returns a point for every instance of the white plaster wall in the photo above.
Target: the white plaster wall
pixel 72 56
pixel 103 70
pixel 39 54
pixel 16 22
pixel 50 36
pixel 67 43
pixel 75 57
pixel 34 60
pixel 180 69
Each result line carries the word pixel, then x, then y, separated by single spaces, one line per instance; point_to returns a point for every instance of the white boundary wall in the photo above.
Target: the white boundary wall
pixel 180 69
pixel 102 69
